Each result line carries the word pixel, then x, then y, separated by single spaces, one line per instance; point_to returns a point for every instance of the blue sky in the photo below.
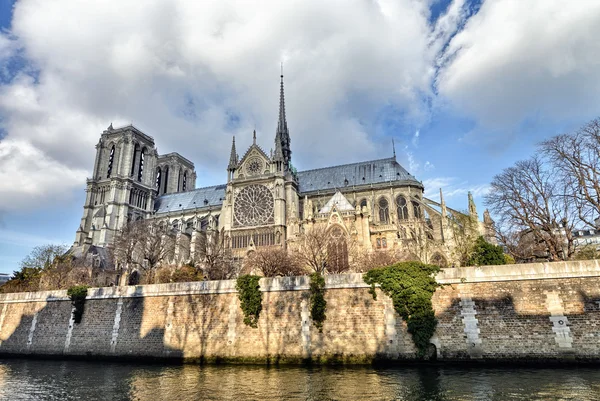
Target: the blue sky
pixel 465 88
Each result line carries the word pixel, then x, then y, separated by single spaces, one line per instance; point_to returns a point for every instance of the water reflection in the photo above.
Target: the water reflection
pixel 54 380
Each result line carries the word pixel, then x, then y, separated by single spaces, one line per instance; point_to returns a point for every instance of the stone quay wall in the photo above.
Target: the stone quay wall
pixel 543 312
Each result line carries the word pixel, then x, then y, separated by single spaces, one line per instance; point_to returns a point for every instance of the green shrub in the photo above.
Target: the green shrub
pixel 411 286
pixel 485 254
pixel 250 298
pixel 77 295
pixel 318 304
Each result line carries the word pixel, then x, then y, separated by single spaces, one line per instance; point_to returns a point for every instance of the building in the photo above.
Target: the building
pixel 369 206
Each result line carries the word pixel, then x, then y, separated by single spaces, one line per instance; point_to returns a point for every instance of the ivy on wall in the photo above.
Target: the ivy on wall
pixel 250 298
pixel 318 304
pixel 77 295
pixel 411 286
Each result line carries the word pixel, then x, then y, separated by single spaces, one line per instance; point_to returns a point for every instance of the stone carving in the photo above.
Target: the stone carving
pixel 253 206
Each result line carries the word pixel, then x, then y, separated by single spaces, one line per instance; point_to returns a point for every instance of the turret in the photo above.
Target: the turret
pixel 233 160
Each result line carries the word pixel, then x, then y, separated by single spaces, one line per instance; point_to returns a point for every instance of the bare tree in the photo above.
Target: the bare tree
pixel 529 197
pixel 365 261
pixel 325 249
pixel 143 245
pixel 464 229
pixel 214 257
pixel 273 261
pixel 312 248
pixel 158 245
pixel 576 158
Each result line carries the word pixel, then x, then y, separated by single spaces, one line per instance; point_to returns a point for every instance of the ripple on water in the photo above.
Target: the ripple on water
pixel 64 381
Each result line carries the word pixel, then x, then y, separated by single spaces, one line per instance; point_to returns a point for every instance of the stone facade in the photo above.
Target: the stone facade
pixel 375 205
pixel 548 312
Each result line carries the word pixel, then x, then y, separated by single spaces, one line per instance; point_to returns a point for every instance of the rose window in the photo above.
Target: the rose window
pixel 254 166
pixel 253 206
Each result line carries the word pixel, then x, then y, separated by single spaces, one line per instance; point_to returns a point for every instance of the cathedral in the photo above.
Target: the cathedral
pixel 375 205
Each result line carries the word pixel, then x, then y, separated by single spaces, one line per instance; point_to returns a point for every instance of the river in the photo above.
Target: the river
pixel 74 380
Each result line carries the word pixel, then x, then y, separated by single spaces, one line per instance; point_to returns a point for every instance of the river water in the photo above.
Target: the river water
pixel 73 380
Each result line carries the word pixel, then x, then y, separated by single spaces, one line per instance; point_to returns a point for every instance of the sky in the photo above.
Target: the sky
pixel 464 87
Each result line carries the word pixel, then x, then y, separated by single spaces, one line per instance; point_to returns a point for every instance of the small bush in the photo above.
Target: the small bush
pixel 318 304
pixel 250 298
pixel 77 295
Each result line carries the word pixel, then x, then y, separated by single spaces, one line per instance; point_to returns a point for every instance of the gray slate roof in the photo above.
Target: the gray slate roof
pixel 185 200
pixel 321 179
pixel 356 174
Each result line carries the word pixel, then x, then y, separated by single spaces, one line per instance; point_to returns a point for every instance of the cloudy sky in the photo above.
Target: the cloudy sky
pixel 465 88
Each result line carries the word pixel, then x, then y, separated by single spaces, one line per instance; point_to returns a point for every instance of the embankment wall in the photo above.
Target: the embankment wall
pixel 543 311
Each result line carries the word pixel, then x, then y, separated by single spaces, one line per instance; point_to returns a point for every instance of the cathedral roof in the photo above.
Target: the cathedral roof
pixel 355 174
pixel 322 179
pixel 339 201
pixel 198 198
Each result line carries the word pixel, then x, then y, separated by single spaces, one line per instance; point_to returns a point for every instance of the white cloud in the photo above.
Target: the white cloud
pixel 191 74
pixel 30 179
pixel 516 60
pixel 453 189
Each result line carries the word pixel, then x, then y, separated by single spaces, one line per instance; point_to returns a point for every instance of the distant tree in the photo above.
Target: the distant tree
pixel 528 197
pixel 273 261
pixel 27 278
pixel 576 160
pixel 312 249
pixel 143 245
pixel 214 257
pixel 365 261
pixel 464 231
pixel 325 249
pixel 484 254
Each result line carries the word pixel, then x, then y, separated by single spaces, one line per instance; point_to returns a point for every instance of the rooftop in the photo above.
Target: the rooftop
pixel 321 179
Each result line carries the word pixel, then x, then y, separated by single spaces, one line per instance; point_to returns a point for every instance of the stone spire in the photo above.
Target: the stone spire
pixel 443 203
pixel 233 158
pixel 282 136
pixel 472 207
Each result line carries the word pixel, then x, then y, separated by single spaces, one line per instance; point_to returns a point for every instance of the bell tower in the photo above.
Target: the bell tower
pixel 122 186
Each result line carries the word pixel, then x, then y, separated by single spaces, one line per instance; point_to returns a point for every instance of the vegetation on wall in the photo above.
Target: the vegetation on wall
pixel 485 254
pixel 318 304
pixel 411 286
pixel 77 294
pixel 250 298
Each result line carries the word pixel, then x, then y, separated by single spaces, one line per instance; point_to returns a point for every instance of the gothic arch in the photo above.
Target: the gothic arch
pixel 134 159
pixel 383 209
pixel 402 207
pixel 417 210
pixel 439 260
pixel 141 161
pixel 337 249
pixel 111 159
pixel 159 178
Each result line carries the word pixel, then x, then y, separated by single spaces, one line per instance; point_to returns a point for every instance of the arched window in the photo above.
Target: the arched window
pixel 384 210
pixel 158 180
pixel 417 209
pixel 141 165
pixel 402 208
pixel 136 151
pixel 439 260
pixel 184 184
pixel 337 251
pixel 111 158
pixel 363 203
pixel 166 181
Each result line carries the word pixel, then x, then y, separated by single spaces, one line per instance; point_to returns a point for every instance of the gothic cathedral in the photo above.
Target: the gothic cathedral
pixel 374 205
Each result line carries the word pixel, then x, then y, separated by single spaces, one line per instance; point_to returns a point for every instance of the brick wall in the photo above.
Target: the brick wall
pixel 539 311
